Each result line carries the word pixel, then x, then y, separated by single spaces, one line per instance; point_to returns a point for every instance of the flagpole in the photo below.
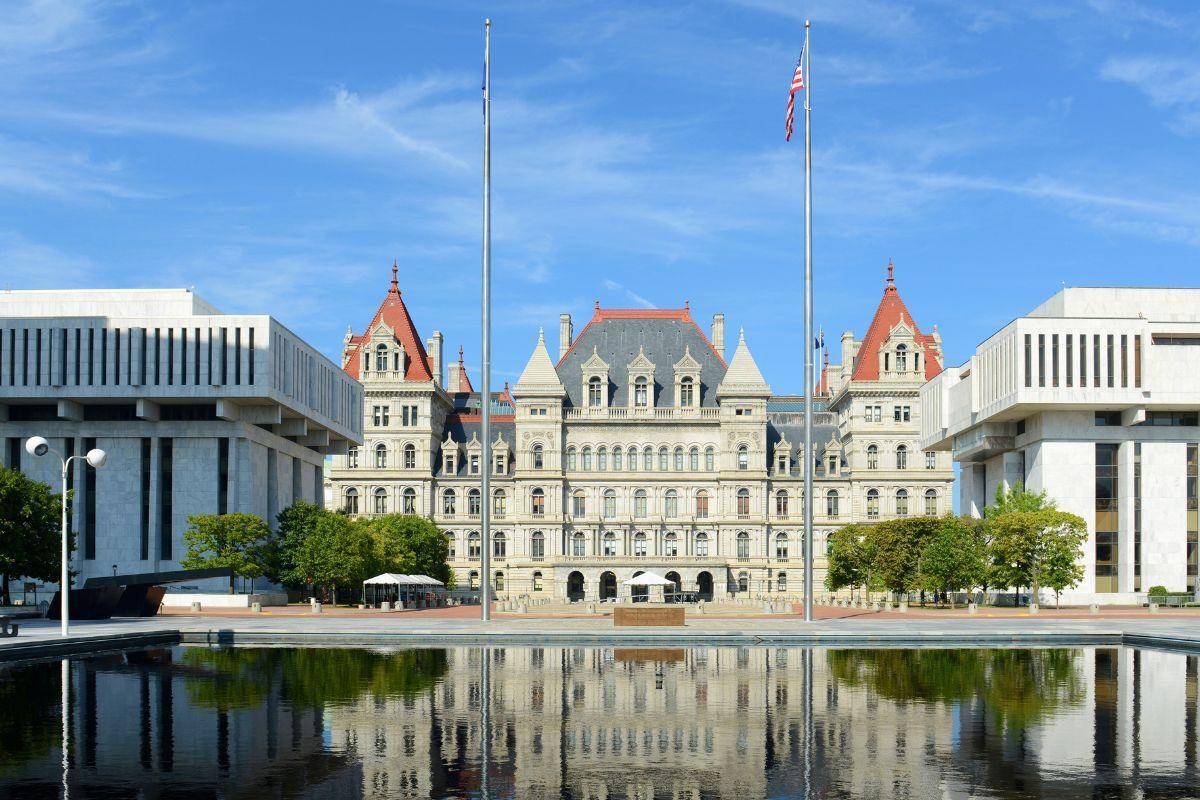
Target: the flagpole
pixel 808 337
pixel 485 401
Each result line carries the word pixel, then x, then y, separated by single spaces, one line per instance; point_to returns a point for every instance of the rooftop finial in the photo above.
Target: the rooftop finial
pixel 460 354
pixel 597 306
pixel 687 306
pixel 395 282
pixel 891 278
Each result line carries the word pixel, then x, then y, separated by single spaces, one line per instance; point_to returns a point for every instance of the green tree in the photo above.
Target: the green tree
pixel 849 558
pixel 409 545
pixel 897 545
pixel 1016 498
pixel 954 557
pixel 30 530
pixel 1034 548
pixel 326 550
pixel 237 541
pixel 295 524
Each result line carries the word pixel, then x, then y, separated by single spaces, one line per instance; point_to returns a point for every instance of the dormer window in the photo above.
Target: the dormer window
pixel 833 466
pixel 640 393
pixel 781 464
pixel 474 463
pixel 448 463
pixel 686 393
pixel 901 358
pixel 381 358
pixel 595 392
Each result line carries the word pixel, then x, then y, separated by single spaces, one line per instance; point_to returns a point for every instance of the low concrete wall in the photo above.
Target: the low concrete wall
pixel 214 600
pixel 646 616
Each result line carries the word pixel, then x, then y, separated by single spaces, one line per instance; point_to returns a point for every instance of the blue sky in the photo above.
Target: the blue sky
pixel 277 157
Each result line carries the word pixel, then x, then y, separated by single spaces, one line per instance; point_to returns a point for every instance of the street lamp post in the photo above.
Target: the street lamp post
pixel 38 446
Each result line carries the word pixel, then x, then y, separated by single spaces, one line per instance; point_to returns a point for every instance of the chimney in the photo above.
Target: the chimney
pixel 452 378
pixel 718 334
pixel 565 334
pixel 849 351
pixel 434 347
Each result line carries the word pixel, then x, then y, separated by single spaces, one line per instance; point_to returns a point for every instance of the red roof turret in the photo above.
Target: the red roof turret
pixel 890 313
pixel 393 313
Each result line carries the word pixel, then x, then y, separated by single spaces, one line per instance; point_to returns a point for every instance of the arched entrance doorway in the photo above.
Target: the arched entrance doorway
pixel 672 592
pixel 575 586
pixel 608 586
pixel 704 586
pixel 637 593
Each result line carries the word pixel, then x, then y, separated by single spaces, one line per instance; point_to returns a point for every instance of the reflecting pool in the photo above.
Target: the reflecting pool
pixel 588 722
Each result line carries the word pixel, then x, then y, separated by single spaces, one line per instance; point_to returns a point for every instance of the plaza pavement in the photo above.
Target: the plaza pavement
pixel 296 626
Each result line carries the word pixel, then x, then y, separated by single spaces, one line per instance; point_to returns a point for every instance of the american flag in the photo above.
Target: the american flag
pixel 797 85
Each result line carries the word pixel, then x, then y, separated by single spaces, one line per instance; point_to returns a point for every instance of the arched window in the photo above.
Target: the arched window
pixel 538 502
pixel 781 545
pixel 640 393
pixel 473 580
pixel 538 456
pixel 381 358
pixel 610 544
pixel 678 458
pixel 449 546
pixel 872 456
pixel 587 459
pixel 409 499
pixel 473 502
pixel 701 504
pixel 410 457
pixel 709 460
pixel 694 459
pixel 831 503
pixel 671 504
pixel 781 503
pixel 639 544
pixel 743 503
pixel 901 457
pixel 351 500
pixel 672 544
pixel 639 503
pixel 537 581
pixel 610 503
pixel 473 545
pixel 499 581
pixel 743 545
pixel 687 392
pixel 449 502
pixel 595 392
pixel 647 458
pixel 931 502
pixel 380 456
pixel 578 544
pixel 602 459
pixel 352 457
pixel 499 544
pixel 781 582
pixel 702 545
pixel 743 457
pixel 571 458
pixel 901 358
pixel 902 502
pixel 499 503
pixel 663 459
pixel 381 500
pixel 537 546
pixel 578 503
pixel 743 582
pixel 617 458
pixel 872 503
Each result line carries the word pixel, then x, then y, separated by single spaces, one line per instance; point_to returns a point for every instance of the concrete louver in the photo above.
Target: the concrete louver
pixel 539 378
pixel 743 378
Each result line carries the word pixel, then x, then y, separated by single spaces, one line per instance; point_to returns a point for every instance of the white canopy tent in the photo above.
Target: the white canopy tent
pixel 654 587
pixel 415 591
pixel 648 579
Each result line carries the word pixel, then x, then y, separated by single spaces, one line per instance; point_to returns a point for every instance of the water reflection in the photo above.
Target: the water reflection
pixel 599 723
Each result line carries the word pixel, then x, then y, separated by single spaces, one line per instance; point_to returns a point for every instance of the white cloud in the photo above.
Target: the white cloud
pixel 1171 83
pixel 25 264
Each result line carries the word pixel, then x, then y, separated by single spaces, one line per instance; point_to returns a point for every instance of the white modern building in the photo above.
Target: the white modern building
pixel 1093 397
pixel 200 413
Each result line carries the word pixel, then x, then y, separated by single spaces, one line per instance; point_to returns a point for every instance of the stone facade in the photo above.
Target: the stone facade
pixel 198 411
pixel 643 447
pixel 1093 397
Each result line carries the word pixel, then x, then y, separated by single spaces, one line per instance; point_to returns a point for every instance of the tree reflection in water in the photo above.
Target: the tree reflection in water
pixel 30 723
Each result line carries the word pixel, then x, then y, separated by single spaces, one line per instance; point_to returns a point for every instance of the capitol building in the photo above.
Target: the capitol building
pixel 644 443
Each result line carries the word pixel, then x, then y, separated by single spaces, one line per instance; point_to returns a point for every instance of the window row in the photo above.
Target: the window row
pixel 611 544
pixel 902 503
pixel 632 459
pixel 1063 359
pixel 901 457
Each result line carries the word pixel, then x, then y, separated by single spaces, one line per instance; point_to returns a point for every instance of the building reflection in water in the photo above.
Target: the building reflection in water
pixel 602 723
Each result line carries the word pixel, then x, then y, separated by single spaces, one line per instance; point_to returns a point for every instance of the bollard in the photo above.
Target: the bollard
pixel 768 608
pixel 1034 608
pixel 700 607
pixel 386 605
pixel 317 607
pixel 972 608
pixel 903 607
pixel 523 608
pixel 1094 608
pixel 875 606
pixel 256 608
pixel 1154 608
pixel 195 605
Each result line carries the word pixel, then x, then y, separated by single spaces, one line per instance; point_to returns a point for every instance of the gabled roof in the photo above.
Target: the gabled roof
pixel 539 377
pixel 890 313
pixel 393 313
pixel 464 382
pixel 743 378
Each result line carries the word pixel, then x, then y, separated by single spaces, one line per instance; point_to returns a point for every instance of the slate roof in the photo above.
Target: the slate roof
pixel 618 335
pixel 790 425
pixel 890 313
pixel 394 314
pixel 461 426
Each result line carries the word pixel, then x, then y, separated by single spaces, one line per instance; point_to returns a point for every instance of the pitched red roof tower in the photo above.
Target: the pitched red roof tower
pixel 890 313
pixel 393 313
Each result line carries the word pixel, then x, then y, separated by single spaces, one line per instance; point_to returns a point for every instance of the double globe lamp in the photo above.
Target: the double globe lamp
pixel 38 446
